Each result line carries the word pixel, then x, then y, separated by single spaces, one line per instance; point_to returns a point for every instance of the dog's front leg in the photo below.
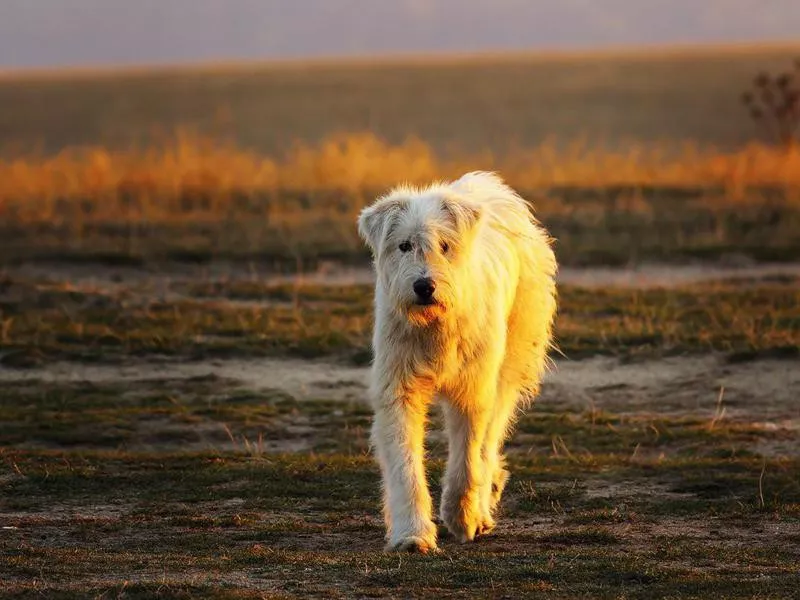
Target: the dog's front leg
pixel 461 508
pixel 398 434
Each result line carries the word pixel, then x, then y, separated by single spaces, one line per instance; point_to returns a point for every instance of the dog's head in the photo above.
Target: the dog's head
pixel 422 242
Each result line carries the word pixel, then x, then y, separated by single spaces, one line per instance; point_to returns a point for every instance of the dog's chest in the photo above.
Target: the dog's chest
pixel 447 356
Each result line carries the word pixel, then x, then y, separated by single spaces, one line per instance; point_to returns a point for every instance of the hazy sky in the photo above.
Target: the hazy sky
pixel 95 32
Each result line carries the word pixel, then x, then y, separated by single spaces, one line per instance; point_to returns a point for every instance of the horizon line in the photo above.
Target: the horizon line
pixel 633 51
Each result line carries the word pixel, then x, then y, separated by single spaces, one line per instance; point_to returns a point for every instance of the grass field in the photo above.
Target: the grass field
pixel 179 420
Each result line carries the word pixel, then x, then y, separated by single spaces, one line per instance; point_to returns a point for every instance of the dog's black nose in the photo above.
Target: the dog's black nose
pixel 424 288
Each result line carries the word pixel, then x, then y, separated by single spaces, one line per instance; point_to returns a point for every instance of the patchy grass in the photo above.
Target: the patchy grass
pixel 45 320
pixel 737 317
pixel 308 526
pixel 181 488
pixel 204 413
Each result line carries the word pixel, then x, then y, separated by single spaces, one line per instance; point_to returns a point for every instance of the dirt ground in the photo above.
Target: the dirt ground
pixel 765 393
pixel 642 475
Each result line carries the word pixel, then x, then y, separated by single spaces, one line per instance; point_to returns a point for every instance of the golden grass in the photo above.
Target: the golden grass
pixel 193 174
pixel 193 199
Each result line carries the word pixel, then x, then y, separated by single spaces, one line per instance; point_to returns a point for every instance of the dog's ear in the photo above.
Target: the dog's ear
pixel 464 213
pixel 374 221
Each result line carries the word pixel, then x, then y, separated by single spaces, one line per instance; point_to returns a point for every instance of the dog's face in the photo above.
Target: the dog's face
pixel 421 241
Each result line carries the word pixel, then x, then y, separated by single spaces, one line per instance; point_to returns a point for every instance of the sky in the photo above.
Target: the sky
pixel 57 33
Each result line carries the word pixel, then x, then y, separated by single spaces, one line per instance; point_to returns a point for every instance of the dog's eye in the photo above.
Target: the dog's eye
pixel 445 247
pixel 405 246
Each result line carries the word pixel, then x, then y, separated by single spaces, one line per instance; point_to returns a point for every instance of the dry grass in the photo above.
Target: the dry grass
pixel 195 199
pixel 194 175
pixel 268 163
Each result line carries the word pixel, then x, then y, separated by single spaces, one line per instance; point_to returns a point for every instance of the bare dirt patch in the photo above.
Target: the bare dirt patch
pixel 759 390
pixel 761 395
pixel 302 379
pixel 762 390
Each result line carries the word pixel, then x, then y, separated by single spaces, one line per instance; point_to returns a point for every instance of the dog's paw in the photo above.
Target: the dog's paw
pixel 463 514
pixel 485 526
pixel 419 538
pixel 414 544
pixel 468 531
pixel 464 531
pixel 466 525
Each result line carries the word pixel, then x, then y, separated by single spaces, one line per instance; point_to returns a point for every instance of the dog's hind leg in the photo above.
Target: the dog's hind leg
pixel 497 431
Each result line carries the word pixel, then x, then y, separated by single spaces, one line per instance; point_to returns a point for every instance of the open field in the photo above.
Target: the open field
pixel 183 415
pixel 169 434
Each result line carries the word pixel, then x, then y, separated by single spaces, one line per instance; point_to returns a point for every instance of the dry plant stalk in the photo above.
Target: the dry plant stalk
pixel 774 105
pixel 719 412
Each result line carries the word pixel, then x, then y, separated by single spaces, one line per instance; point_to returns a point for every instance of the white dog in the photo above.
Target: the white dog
pixel 464 306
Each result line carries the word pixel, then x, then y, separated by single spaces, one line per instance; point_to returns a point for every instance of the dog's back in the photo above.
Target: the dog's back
pixel 509 219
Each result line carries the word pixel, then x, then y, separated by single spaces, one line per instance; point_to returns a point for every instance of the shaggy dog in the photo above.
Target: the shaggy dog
pixel 464 305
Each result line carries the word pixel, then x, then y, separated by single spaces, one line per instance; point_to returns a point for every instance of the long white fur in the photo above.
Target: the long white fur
pixel 482 349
